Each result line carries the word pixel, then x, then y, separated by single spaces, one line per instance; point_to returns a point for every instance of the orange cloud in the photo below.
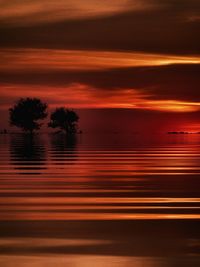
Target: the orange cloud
pixel 37 11
pixel 50 59
pixel 77 95
pixel 171 105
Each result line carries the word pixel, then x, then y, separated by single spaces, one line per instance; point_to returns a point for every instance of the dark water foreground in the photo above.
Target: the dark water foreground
pixel 100 200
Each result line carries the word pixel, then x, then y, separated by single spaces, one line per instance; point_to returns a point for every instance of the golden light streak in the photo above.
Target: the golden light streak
pixel 172 105
pixel 84 208
pixel 68 216
pixel 78 259
pixel 96 200
pixel 27 60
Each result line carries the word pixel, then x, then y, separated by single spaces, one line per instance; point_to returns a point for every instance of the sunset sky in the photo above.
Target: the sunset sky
pixel 142 55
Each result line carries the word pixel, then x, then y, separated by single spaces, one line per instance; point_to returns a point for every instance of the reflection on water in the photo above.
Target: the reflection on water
pixel 79 260
pixel 27 153
pixel 62 146
pixel 102 200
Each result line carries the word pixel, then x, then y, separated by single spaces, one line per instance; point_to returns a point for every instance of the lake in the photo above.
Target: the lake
pixel 100 200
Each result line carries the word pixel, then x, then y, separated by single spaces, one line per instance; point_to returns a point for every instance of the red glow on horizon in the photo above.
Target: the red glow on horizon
pixel 77 95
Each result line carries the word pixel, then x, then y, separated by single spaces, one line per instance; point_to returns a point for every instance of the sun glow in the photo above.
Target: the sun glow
pixel 172 105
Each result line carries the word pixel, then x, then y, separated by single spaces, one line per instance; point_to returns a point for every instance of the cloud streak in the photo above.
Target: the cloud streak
pixel 170 82
pixel 83 96
pixel 37 11
pixel 139 54
pixel 49 59
pixel 169 27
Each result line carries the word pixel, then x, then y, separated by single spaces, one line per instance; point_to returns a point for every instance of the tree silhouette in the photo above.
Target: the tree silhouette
pixel 65 119
pixel 26 112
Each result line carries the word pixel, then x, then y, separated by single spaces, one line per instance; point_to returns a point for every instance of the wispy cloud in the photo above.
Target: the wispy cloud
pixel 36 11
pixel 141 54
pixel 154 26
pixel 48 59
pixel 84 96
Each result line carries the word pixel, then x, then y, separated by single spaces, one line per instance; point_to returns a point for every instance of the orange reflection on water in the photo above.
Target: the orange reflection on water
pixel 12 216
pixel 79 260
pixel 77 203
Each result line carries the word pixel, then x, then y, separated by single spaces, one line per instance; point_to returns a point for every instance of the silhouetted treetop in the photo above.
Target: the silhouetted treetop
pixel 26 112
pixel 65 119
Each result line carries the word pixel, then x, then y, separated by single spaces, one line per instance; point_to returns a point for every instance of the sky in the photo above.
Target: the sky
pixel 142 55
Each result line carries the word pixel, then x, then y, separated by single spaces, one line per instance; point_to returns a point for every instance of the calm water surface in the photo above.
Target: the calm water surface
pixel 100 200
